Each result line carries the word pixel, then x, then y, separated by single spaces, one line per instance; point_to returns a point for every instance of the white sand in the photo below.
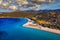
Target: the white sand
pixel 31 25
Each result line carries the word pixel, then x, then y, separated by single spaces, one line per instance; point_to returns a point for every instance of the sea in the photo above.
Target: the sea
pixel 13 29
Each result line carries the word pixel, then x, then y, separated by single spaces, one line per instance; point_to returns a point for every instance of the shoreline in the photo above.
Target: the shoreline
pixel 30 24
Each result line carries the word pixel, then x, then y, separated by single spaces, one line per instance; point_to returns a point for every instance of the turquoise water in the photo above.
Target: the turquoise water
pixel 12 29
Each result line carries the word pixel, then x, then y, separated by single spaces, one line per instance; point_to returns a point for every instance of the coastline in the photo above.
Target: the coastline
pixel 30 24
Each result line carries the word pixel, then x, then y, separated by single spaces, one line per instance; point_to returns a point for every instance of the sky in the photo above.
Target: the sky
pixel 42 6
pixel 53 6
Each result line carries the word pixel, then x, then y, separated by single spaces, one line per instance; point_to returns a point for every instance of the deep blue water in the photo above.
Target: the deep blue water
pixel 12 29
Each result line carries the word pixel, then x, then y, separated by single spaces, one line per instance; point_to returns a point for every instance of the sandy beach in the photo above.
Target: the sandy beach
pixel 30 24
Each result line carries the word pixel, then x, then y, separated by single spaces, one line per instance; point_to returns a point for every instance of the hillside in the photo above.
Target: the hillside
pixel 52 15
pixel 17 14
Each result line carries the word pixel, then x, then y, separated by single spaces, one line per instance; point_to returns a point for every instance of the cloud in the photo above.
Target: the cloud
pixel 0 2
pixel 22 2
pixel 5 4
pixel 42 1
pixel 36 7
pixel 22 5
pixel 13 7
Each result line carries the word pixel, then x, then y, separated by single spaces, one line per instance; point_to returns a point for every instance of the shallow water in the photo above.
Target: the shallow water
pixel 12 29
